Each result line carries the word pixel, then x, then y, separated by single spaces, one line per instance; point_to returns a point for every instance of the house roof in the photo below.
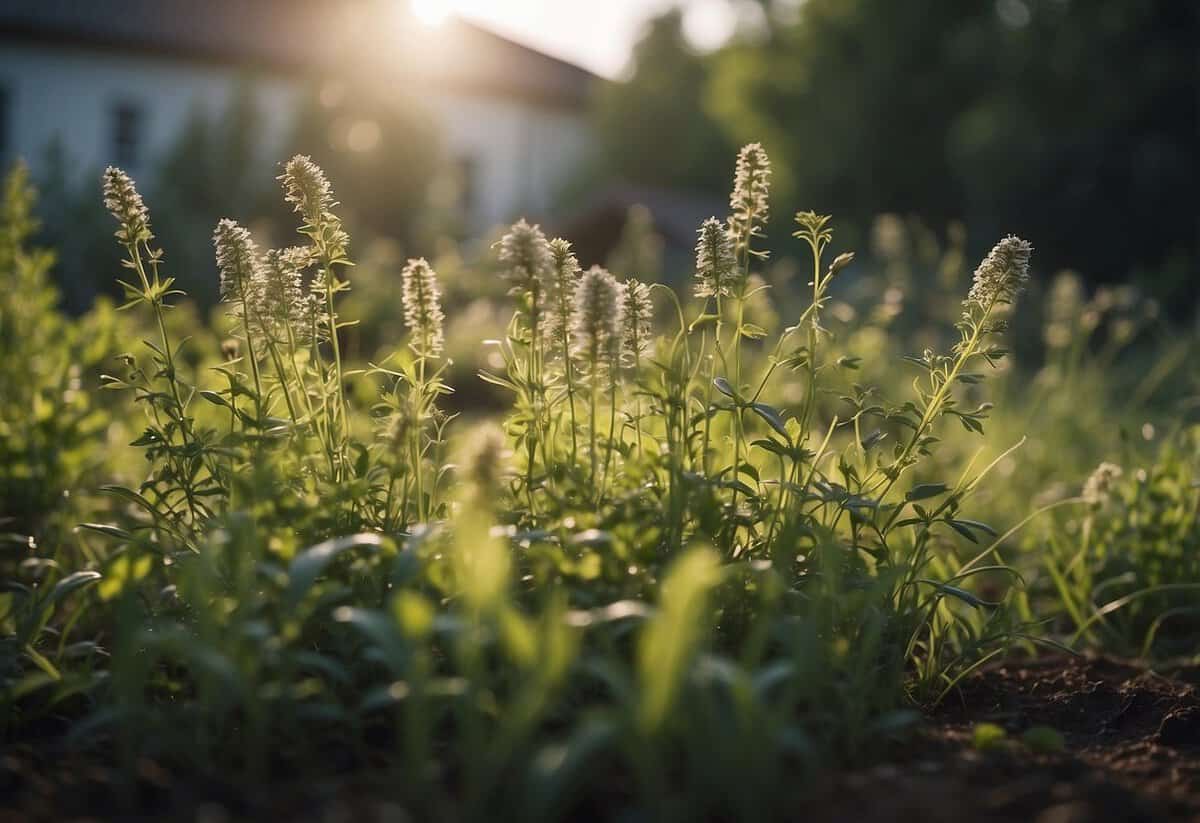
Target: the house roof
pixel 308 36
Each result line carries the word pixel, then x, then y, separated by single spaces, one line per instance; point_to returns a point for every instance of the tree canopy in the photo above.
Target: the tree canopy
pixel 1071 123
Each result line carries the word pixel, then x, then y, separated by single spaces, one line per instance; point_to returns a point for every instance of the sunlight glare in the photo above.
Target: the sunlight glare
pixel 431 12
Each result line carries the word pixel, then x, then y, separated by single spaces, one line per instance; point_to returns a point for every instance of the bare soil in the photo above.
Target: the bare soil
pixel 1132 750
pixel 1132 753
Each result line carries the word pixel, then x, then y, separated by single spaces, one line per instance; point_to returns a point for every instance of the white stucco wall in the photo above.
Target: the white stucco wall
pixel 522 153
pixel 70 94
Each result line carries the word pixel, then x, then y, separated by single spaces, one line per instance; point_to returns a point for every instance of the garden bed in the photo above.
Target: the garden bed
pixel 1132 752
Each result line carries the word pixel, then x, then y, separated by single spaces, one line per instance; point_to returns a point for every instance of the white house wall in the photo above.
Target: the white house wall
pixel 522 153
pixel 70 95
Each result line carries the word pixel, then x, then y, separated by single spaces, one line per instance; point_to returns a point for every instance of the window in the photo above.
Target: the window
pixel 5 126
pixel 466 179
pixel 126 134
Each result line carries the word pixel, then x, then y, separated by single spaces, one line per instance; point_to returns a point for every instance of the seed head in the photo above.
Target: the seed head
pixel 564 277
pixel 237 261
pixel 421 297
pixel 316 322
pixel 483 457
pixel 279 295
pixel 306 187
pixel 526 255
pixel 1002 274
pixel 639 314
pixel 396 431
pixel 1100 484
pixel 597 320
pixel 714 260
pixel 122 200
pixel 748 200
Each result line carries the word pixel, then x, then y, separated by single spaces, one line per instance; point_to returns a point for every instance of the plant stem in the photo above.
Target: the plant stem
pixel 337 363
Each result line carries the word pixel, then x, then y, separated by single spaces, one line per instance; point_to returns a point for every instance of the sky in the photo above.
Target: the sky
pixel 595 34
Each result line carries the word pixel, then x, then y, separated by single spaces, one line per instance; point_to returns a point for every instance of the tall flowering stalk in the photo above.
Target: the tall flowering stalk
pixel 239 267
pixel 748 201
pixel 421 298
pixel 527 260
pixel 814 229
pixel 715 260
pixel 525 254
pixel 423 315
pixel 564 277
pixel 596 325
pixel 715 265
pixel 281 291
pixel 283 312
pixel 123 201
pixel 749 211
pixel 636 339
pixel 307 189
pixel 997 281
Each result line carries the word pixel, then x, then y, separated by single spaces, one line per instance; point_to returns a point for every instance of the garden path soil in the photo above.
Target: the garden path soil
pixel 1132 753
pixel 1132 750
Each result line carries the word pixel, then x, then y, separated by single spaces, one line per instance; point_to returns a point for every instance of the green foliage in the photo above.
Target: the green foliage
pixel 988 736
pixel 49 424
pixel 1043 740
pixel 666 96
pixel 944 110
pixel 1127 569
pixel 695 563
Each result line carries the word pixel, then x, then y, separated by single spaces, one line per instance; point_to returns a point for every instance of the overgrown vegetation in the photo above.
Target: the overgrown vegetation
pixel 700 558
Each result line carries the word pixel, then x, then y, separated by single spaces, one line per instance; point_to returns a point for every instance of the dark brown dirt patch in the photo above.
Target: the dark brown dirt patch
pixel 1131 753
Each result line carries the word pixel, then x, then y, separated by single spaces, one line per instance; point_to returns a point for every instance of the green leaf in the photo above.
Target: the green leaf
pixel 772 446
pixel 73 582
pixel 215 398
pixel 965 596
pixel 987 736
pixel 961 529
pixel 42 663
pixel 1043 740
pixel 873 438
pixel 107 530
pixel 739 486
pixel 971 424
pixel 310 563
pixel 724 388
pixel 772 416
pixel 923 491
pixel 978 526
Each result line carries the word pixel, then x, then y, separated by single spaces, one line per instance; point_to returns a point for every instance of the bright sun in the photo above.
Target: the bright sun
pixel 431 12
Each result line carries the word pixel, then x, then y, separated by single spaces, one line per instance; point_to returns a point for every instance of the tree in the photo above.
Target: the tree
pixel 654 127
pixel 1070 123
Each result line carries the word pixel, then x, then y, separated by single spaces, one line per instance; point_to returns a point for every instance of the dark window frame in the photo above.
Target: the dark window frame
pixel 127 125
pixel 7 147
pixel 466 170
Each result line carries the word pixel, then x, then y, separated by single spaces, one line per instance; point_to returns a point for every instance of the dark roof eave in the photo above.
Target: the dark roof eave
pixel 283 65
